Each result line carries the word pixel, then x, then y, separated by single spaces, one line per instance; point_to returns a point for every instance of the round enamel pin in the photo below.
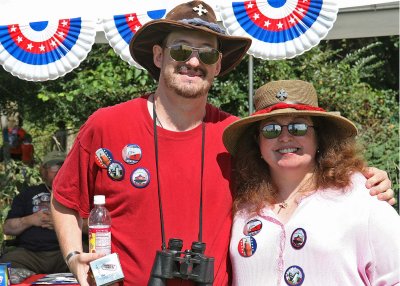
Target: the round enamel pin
pixel 294 276
pixel 247 246
pixel 252 227
pixel 116 171
pixel 103 157
pixel 140 178
pixel 298 238
pixel 132 153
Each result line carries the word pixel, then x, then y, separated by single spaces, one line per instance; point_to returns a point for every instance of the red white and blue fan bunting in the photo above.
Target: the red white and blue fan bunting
pixel 46 50
pixel 280 28
pixel 120 29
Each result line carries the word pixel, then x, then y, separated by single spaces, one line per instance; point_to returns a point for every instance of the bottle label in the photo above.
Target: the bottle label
pixel 100 239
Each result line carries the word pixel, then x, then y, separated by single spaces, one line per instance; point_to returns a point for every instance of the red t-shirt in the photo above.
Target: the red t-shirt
pixel 136 232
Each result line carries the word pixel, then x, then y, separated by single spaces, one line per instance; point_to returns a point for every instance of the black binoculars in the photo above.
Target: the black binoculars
pixel 190 264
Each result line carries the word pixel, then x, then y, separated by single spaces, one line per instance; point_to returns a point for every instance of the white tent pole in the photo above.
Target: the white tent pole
pixel 250 84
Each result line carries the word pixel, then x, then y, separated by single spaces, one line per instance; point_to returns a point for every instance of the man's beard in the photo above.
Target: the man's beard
pixel 187 90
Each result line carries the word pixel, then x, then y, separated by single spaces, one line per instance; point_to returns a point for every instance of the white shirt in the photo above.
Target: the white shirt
pixel 348 239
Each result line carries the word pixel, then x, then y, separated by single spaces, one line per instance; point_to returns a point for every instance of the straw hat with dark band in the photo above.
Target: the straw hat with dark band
pixel 284 97
pixel 192 16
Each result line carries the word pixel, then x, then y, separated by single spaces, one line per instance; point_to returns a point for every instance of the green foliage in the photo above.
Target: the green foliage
pixel 386 50
pixel 102 80
pixel 14 175
pixel 230 93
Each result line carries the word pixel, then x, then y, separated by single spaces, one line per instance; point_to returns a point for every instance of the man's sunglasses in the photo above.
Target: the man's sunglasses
pixel 182 53
pixel 271 131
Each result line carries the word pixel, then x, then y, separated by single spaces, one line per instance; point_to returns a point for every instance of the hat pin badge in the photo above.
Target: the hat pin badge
pixel 282 95
pixel 200 10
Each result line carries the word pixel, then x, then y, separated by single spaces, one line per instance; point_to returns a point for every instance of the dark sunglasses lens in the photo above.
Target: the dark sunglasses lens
pixel 271 131
pixel 209 56
pixel 180 53
pixel 298 129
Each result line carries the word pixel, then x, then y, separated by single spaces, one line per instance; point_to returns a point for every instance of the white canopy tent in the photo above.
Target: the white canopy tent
pixel 359 19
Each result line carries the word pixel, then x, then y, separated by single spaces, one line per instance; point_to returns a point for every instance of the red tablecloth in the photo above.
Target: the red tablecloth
pixel 35 277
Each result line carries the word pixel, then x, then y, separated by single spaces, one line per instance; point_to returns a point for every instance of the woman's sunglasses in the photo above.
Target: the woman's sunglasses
pixel 182 53
pixel 271 131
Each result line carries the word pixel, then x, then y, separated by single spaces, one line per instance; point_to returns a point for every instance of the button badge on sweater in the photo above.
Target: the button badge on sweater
pixel 116 171
pixel 294 276
pixel 298 238
pixel 252 227
pixel 132 153
pixel 140 178
pixel 247 246
pixel 103 157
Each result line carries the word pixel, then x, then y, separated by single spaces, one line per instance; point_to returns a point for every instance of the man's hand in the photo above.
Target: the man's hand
pixel 15 226
pixel 42 219
pixel 379 184
pixel 79 266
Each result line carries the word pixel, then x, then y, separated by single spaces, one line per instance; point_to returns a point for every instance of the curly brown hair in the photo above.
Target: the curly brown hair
pixel 337 158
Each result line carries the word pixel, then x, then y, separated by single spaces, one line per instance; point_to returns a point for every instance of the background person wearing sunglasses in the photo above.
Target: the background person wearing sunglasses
pixel 184 52
pixel 302 212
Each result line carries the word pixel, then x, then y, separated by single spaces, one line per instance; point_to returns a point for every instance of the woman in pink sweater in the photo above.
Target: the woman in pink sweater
pixel 302 214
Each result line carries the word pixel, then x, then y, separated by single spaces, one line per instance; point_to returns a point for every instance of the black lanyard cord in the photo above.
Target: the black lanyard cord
pixel 203 139
pixel 163 246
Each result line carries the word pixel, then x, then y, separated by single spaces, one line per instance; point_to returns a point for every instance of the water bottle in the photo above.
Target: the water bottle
pixel 99 227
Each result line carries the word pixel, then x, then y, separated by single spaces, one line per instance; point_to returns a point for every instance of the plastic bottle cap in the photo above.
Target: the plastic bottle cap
pixel 99 200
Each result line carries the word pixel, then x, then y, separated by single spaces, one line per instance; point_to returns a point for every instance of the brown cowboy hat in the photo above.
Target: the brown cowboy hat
pixel 192 16
pixel 284 97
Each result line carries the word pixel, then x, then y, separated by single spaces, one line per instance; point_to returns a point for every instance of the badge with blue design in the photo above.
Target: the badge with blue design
pixel 132 153
pixel 298 238
pixel 247 246
pixel 140 178
pixel 103 157
pixel 294 276
pixel 116 171
pixel 252 227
